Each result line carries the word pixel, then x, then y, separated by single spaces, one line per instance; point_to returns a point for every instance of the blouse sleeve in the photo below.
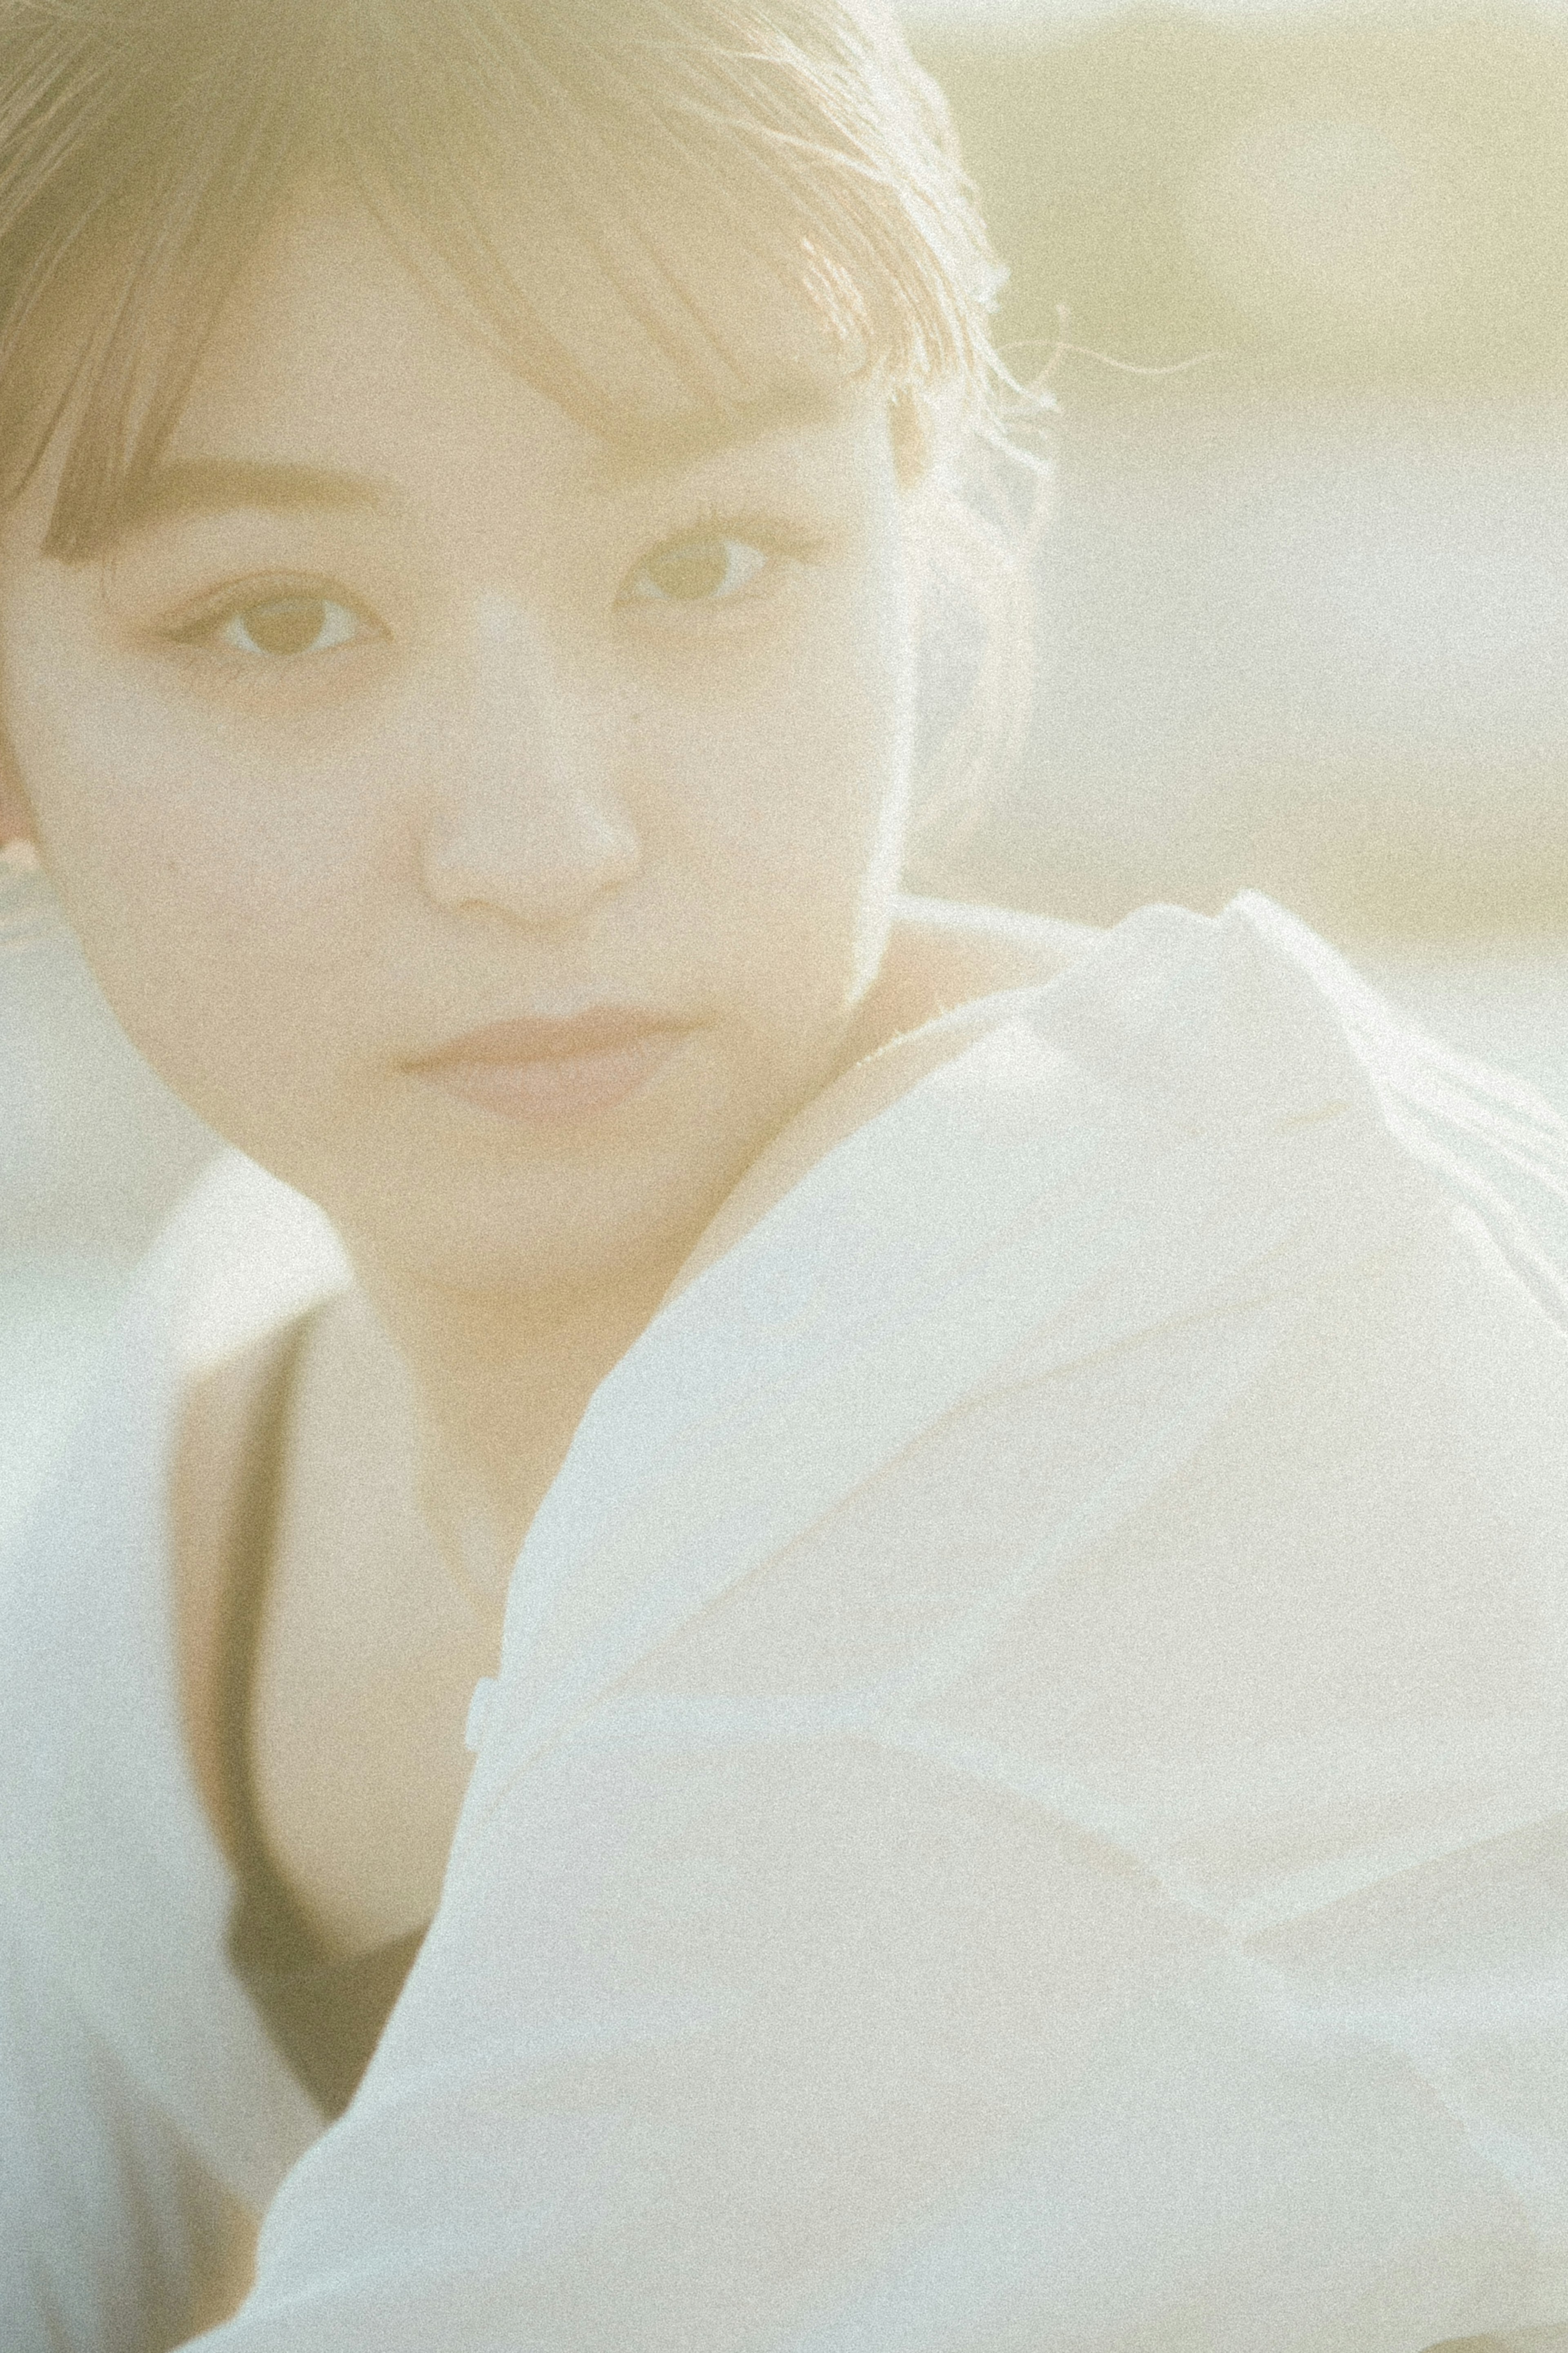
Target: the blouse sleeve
pixel 109 2224
pixel 1039 1823
pixel 143 2108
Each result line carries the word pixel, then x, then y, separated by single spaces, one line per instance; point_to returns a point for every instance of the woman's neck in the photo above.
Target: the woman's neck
pixel 498 1382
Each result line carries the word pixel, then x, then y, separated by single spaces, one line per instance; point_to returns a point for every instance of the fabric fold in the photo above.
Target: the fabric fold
pixel 1014 1648
pixel 1026 1790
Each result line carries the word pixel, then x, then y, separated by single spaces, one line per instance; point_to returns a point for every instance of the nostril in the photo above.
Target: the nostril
pixel 538 862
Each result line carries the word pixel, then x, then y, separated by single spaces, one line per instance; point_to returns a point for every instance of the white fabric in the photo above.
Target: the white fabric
pixel 136 2080
pixel 1025 1804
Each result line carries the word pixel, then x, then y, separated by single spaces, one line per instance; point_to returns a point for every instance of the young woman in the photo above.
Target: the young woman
pixel 992 1502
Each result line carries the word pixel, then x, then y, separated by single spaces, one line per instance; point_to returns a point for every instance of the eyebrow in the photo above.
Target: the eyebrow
pixel 198 486
pixel 647 446
pixel 639 449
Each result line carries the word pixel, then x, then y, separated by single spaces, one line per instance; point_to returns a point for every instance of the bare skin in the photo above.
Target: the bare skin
pixel 374 1637
pixel 372 1643
pixel 409 707
pixel 404 706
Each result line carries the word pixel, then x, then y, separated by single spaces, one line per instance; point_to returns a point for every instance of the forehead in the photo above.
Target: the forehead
pixel 342 338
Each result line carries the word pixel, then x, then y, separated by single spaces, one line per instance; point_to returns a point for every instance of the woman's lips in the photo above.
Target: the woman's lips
pixel 553 1071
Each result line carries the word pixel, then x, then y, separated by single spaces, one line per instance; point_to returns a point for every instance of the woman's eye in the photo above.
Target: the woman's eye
pixel 288 625
pixel 698 571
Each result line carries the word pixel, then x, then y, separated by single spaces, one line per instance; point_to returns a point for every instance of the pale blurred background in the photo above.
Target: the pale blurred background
pixel 1303 604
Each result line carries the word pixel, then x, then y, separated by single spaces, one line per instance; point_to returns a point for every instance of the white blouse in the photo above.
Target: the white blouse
pixel 1024 1807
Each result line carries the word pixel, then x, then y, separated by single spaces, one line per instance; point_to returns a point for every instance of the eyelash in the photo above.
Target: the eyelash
pixel 771 537
pixel 755 528
pixel 254 594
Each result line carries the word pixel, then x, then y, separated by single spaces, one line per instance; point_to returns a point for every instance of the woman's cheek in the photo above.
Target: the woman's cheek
pixel 815 746
pixel 215 930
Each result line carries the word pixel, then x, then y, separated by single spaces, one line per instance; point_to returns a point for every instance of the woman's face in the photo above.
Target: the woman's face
pixel 404 707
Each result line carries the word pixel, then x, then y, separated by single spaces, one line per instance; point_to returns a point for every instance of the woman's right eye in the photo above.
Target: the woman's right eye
pixel 281 626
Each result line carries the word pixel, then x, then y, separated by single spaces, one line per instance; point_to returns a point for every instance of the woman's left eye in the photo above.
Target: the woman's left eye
pixel 281 626
pixel 705 571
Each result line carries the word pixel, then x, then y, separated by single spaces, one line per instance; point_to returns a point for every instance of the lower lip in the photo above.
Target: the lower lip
pixel 558 1087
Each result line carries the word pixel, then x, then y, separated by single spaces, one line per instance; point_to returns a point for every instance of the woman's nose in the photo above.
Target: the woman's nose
pixel 527 817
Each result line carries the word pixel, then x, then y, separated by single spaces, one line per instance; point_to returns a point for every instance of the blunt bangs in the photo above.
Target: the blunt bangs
pixel 512 150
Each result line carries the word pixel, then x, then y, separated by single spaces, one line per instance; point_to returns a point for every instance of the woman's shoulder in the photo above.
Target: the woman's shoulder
pixel 212 1452
pixel 945 952
pixel 1243 1040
